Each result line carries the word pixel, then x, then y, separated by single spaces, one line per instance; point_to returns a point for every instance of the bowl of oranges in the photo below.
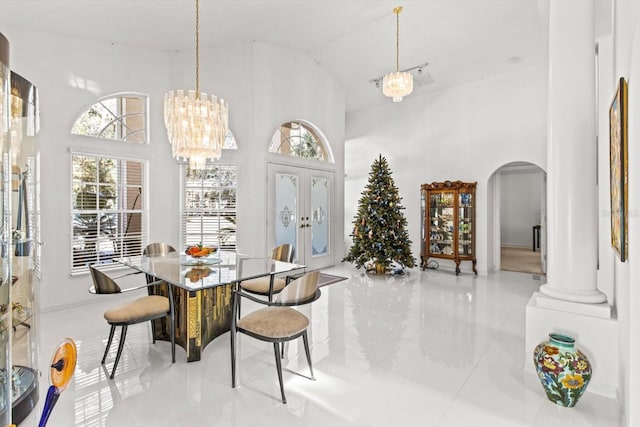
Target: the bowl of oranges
pixel 199 251
pixel 199 254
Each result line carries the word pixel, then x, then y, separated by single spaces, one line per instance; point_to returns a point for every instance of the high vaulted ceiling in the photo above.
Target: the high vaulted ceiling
pixel 354 40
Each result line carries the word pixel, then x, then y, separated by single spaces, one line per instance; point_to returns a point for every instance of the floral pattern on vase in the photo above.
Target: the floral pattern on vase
pixel 564 371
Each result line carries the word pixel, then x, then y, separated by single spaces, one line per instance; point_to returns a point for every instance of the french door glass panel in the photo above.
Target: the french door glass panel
pixel 320 224
pixel 300 205
pixel 286 213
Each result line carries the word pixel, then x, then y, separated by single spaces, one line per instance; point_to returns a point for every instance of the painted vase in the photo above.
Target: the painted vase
pixel 563 370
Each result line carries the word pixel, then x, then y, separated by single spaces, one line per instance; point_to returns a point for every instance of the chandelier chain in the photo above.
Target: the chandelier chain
pixel 197 123
pixel 398 38
pixel 197 49
pixel 397 84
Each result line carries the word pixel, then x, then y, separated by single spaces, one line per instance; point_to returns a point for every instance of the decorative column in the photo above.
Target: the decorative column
pixel 570 303
pixel 571 155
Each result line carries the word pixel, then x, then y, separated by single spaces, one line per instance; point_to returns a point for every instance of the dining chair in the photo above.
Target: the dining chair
pixel 276 323
pixel 146 308
pixel 156 250
pixel 269 285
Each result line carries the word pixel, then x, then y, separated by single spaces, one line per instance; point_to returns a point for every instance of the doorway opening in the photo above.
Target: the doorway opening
pixel 518 222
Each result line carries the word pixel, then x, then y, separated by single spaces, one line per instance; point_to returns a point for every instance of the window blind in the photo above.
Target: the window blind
pixel 109 217
pixel 208 211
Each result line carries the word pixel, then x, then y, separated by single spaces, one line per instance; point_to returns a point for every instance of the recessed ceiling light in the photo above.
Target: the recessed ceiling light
pixel 514 60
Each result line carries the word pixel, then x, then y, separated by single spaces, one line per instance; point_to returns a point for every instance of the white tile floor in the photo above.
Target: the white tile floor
pixel 424 349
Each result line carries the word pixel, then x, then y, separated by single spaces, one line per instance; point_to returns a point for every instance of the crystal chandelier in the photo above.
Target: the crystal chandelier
pixel 196 124
pixel 398 84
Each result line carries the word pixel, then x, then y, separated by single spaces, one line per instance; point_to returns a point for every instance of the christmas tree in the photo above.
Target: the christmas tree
pixel 379 235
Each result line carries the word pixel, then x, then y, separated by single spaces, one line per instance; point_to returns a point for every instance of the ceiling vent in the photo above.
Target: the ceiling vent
pixel 422 78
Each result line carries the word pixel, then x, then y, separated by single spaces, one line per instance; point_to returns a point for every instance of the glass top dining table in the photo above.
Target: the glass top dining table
pixel 202 289
pixel 219 268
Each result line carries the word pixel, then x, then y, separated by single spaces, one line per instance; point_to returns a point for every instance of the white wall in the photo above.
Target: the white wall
pixel 520 194
pixel 627 275
pixel 290 86
pixel 70 75
pixel 463 133
pixel 263 85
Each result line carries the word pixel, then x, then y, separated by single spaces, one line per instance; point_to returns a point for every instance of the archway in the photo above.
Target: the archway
pixel 516 228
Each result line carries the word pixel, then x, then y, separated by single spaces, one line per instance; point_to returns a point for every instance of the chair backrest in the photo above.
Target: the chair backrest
pixel 157 249
pixel 154 250
pixel 300 290
pixel 103 284
pixel 283 252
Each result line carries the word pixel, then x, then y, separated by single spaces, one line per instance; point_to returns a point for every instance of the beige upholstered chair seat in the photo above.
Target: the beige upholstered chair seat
pixel 148 308
pixel 260 285
pixel 278 323
pixel 274 322
pixel 138 310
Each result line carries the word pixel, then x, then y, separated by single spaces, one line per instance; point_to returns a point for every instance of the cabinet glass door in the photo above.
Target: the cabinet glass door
pixel 5 273
pixel 441 217
pixel 465 224
pixel 24 252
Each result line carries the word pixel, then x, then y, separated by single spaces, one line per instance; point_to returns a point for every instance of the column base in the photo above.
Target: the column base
pixel 578 296
pixel 601 309
pixel 596 337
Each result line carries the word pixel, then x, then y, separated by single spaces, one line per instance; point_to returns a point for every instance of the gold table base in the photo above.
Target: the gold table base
pixel 200 317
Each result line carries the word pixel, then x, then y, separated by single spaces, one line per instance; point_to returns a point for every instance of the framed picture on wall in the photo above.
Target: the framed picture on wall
pixel 618 170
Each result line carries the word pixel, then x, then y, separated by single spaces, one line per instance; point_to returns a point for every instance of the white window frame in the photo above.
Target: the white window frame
pixel 303 127
pixel 120 117
pixel 187 239
pixel 120 209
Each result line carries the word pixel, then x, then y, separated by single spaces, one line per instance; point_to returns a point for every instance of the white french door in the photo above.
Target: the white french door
pixel 300 212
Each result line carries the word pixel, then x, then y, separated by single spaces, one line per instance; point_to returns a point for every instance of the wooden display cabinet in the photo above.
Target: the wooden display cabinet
pixel 448 222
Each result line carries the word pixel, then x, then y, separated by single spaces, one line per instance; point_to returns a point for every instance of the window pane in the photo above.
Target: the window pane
pixel 134 199
pixel 84 196
pixel 107 196
pixel 299 140
pixel 108 219
pixel 85 169
pixel 120 117
pixel 208 208
pixel 134 172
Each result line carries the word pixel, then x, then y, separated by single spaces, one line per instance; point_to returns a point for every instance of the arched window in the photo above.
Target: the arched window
pixel 121 117
pixel 109 215
pixel 300 139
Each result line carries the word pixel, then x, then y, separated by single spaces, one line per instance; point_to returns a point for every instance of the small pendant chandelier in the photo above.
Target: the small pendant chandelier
pixel 197 124
pixel 398 84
